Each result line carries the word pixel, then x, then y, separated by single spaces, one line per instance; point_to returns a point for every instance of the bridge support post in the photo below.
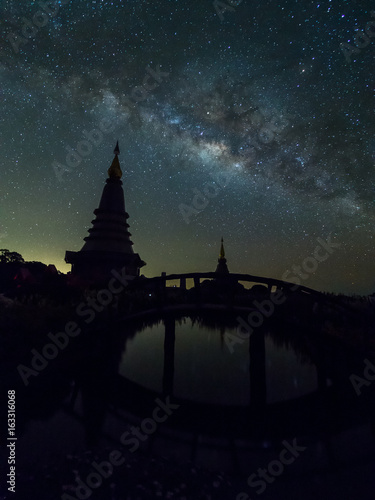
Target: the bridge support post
pixel 169 343
pixel 160 290
pixel 183 283
pixel 197 289
pixel 163 287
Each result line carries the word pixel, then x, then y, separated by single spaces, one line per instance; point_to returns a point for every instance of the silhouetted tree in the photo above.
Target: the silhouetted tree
pixel 7 257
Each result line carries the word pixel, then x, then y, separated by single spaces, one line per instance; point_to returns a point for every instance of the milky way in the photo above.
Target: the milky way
pixel 261 94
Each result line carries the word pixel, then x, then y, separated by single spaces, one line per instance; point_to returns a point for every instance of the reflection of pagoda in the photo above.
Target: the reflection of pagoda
pixel 222 267
pixel 108 245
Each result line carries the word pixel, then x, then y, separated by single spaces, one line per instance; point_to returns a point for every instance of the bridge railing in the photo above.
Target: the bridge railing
pixel 231 277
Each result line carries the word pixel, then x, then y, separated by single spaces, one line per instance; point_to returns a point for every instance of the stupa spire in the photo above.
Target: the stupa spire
pixel 222 252
pixel 222 267
pixel 114 171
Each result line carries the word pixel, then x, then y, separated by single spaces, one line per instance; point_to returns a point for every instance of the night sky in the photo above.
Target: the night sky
pixel 260 97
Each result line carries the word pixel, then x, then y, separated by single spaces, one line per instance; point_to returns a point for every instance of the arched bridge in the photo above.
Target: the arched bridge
pixel 271 283
pixel 219 292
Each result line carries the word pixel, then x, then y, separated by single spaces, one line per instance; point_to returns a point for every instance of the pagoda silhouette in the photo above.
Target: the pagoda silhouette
pixel 108 246
pixel 222 267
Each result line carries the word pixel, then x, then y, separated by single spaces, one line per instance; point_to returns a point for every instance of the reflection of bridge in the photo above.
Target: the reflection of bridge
pixel 254 343
pixel 333 366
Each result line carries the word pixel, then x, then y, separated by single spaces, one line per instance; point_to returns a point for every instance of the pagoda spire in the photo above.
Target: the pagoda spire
pixel 222 252
pixel 222 267
pixel 114 171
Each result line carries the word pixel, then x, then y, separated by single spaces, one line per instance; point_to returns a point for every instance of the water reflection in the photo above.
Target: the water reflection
pixel 284 382
pixel 189 359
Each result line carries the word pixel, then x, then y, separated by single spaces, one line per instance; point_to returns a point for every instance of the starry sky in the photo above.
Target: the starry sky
pixel 242 119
